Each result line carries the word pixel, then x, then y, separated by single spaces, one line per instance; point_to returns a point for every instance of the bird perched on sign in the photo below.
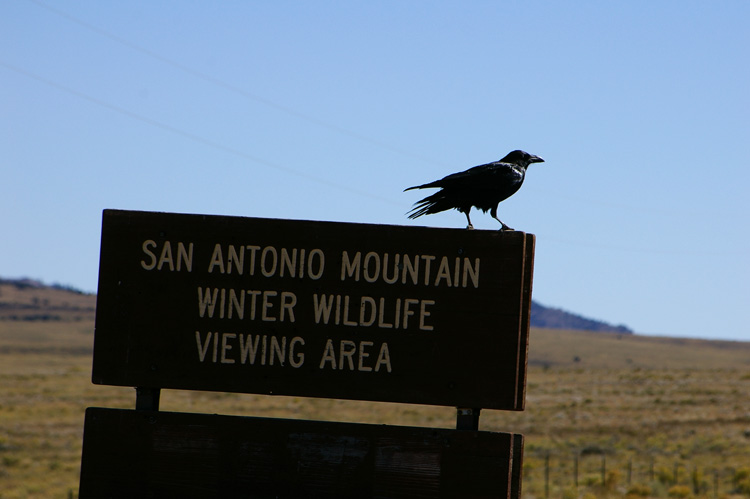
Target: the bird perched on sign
pixel 482 187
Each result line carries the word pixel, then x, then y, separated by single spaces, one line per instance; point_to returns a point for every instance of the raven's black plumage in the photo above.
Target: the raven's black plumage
pixel 483 187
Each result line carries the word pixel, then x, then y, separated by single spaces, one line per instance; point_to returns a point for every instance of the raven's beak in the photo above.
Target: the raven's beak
pixel 536 159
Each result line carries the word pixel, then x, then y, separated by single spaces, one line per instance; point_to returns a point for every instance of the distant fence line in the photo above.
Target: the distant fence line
pixel 606 473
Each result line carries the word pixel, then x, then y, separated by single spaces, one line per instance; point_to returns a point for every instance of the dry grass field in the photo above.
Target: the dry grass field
pixel 606 415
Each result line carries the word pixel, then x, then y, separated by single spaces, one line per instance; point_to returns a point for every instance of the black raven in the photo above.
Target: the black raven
pixel 483 186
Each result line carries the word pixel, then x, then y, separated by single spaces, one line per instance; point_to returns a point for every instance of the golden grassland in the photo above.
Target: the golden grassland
pixel 620 415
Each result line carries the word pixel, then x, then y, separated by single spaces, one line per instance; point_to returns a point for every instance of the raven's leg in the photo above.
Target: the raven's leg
pixel 468 219
pixel 493 214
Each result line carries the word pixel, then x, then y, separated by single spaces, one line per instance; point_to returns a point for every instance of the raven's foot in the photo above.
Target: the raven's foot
pixel 503 227
pixel 469 227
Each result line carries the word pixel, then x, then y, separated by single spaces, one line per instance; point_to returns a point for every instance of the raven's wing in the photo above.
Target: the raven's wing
pixel 478 177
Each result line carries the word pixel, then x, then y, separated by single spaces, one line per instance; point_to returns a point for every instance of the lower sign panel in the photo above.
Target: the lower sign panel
pixel 160 454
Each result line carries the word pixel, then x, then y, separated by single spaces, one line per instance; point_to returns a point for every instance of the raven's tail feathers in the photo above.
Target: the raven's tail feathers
pixel 431 204
pixel 418 211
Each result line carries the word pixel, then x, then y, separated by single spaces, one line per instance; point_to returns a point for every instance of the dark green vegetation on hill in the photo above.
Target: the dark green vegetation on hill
pixel 29 300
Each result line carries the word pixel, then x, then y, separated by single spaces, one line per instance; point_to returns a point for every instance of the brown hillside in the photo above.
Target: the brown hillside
pixel 28 300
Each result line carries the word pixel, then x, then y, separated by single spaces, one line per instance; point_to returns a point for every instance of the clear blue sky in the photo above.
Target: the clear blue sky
pixel 328 110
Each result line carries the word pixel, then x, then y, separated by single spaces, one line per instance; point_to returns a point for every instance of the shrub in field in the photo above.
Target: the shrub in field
pixel 592 480
pixel 664 474
pixel 700 483
pixel 741 480
pixel 679 491
pixel 570 493
pixel 741 474
pixel 639 490
pixel 613 479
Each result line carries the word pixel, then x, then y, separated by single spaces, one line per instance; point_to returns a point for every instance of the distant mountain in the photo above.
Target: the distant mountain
pixel 556 318
pixel 32 300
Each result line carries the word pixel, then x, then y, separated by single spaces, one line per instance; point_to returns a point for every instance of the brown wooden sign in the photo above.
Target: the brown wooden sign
pixel 320 309
pixel 160 454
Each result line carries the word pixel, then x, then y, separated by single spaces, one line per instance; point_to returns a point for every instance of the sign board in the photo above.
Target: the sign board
pixel 161 454
pixel 319 309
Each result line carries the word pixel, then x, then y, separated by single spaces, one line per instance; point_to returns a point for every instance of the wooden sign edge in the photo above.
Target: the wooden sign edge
pixel 523 353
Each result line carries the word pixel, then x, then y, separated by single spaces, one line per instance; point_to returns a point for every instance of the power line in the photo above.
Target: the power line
pixel 292 171
pixel 297 114
pixel 189 135
pixel 230 87
pixel 311 119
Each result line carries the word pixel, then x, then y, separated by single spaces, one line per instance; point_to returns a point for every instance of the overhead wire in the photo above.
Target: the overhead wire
pixel 284 109
pixel 189 135
pixel 227 149
pixel 312 119
pixel 233 88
